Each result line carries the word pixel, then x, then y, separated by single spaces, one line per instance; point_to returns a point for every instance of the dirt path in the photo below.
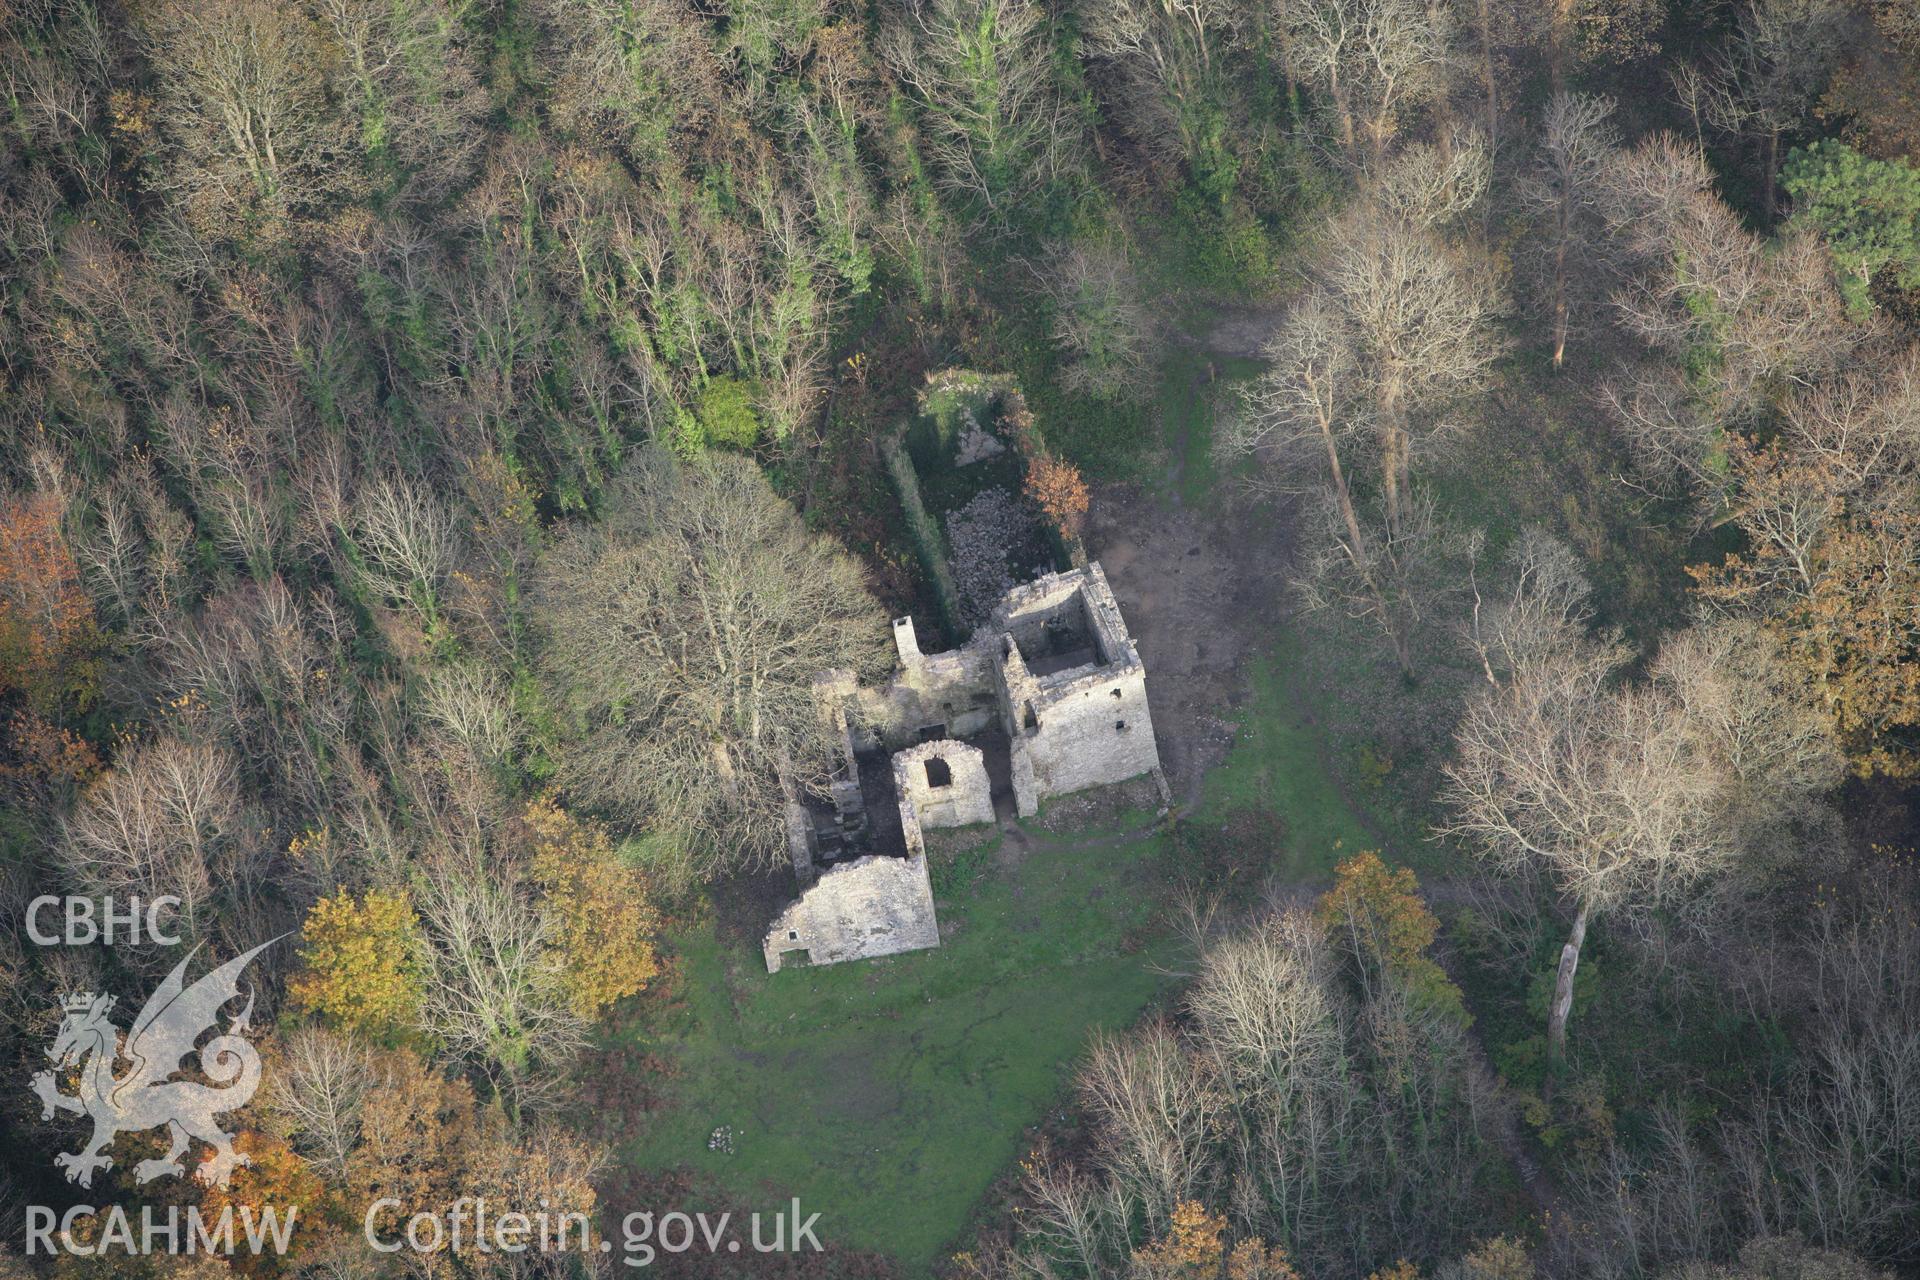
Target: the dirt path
pixel 1198 588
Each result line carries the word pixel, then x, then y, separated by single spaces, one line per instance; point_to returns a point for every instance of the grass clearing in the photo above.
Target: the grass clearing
pixel 1191 389
pixel 1282 763
pixel 889 1094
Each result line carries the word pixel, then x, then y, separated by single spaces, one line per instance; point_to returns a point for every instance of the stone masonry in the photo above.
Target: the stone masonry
pixel 872 906
pixel 945 783
pixel 1054 673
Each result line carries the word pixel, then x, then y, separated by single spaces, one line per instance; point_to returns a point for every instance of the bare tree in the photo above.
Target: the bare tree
pixel 636 74
pixel 1376 60
pixel 473 704
pixel 1434 185
pixel 1313 1102
pixel 403 66
pixel 1672 436
pixel 313 1094
pixel 1543 607
pixel 1599 785
pixel 684 635
pixel 264 669
pixel 1703 287
pixel 1767 737
pixel 1394 575
pixel 1840 1161
pixel 1167 64
pixel 1771 70
pixel 409 542
pixel 1420 318
pixel 1268 1019
pixel 494 993
pixel 1361 375
pixel 165 820
pixel 1627 795
pixel 1575 146
pixel 1777 1256
pixel 1650 189
pixel 1076 1216
pixel 997 127
pixel 1863 425
pixel 1298 415
pixel 246 112
pixel 1099 321
pixel 1157 1110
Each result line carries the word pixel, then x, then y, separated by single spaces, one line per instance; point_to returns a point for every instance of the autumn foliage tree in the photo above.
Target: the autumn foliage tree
pixel 49 643
pixel 1195 1248
pixel 1380 910
pixel 605 919
pixel 425 1141
pixel 274 1179
pixel 1836 577
pixel 362 967
pixel 1056 487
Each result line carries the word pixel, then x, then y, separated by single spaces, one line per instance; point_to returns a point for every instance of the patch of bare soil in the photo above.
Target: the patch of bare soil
pixel 1199 592
pixel 745 904
pixel 1241 330
pixel 948 842
pixel 1097 808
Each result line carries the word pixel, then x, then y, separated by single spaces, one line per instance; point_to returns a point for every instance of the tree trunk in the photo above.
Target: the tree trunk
pixel 1563 992
pixel 1392 444
pixel 1486 76
pixel 1560 285
pixel 1390 478
pixel 1345 113
pixel 1562 25
pixel 1402 649
pixel 1443 117
pixel 1769 171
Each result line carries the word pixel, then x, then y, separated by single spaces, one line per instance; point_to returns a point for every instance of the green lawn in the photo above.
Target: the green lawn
pixel 1185 401
pixel 1280 763
pixel 888 1094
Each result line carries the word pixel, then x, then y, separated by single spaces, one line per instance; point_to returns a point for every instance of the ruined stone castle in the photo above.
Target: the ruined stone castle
pixel 1047 698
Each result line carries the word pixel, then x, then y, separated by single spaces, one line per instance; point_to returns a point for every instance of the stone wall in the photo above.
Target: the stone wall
pixel 870 907
pixel 940 695
pixel 1084 726
pixel 1095 730
pixel 945 782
